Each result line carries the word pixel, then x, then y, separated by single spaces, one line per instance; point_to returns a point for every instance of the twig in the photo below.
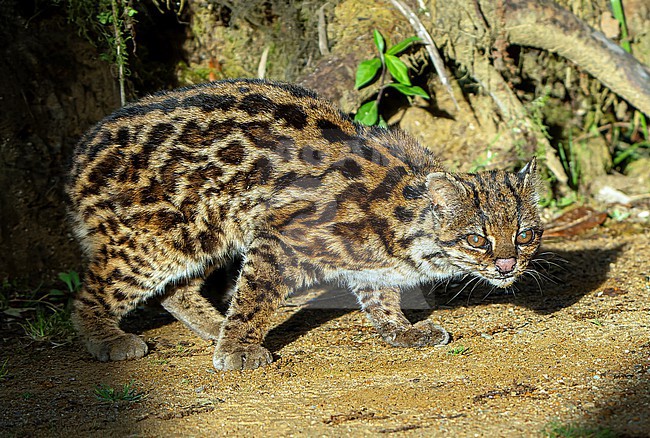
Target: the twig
pixel 261 68
pixel 118 52
pixel 429 45
pixel 382 83
pixel 423 8
pixel 323 46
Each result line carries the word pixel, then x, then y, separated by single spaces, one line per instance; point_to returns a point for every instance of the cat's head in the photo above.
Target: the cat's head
pixel 487 223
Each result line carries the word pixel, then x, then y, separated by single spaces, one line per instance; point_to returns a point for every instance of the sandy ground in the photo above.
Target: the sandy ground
pixel 572 353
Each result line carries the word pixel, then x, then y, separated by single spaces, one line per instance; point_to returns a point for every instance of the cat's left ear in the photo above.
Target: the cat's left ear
pixel 528 174
pixel 529 177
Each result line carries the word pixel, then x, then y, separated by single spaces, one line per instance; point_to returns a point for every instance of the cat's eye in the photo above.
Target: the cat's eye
pixel 476 241
pixel 525 237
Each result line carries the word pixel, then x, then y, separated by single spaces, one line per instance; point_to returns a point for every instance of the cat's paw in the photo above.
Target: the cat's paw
pixel 126 346
pixel 421 334
pixel 243 358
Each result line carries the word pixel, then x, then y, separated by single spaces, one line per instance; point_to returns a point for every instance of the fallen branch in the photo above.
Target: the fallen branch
pixel 545 25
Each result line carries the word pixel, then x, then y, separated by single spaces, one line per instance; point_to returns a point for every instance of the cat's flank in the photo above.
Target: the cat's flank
pixel 168 188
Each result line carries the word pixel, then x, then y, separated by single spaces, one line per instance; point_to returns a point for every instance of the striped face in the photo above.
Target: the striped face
pixel 488 222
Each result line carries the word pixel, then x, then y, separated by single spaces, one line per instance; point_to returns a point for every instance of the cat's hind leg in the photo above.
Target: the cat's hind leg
pixel 186 304
pixel 107 295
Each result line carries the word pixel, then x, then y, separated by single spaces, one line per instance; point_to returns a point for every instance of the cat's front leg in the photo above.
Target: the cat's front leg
pixel 382 306
pixel 266 278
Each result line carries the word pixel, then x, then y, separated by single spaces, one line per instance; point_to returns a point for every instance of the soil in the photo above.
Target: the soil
pixel 573 351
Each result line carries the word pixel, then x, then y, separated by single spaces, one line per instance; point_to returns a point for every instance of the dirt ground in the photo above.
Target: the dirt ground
pixel 574 353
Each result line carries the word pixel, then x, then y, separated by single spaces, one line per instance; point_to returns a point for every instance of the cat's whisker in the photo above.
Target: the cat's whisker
pixel 553 256
pixel 535 275
pixel 447 283
pixel 539 262
pixel 475 285
pixel 464 287
pixel 489 292
pixel 546 269
pixel 437 284
pixel 546 276
pixel 550 259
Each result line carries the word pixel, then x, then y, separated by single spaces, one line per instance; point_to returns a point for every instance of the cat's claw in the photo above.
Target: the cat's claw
pixel 127 346
pixel 421 334
pixel 245 358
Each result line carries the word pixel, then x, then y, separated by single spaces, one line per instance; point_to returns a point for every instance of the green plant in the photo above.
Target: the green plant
pixel 4 369
pixel 17 300
pixel 376 68
pixel 459 350
pixel 619 215
pixel 128 393
pixel 72 282
pixel 12 303
pixel 559 430
pixel 50 326
pixel 629 153
pixel 536 111
pixel 561 202
pixel 108 24
pixel 43 314
pixel 619 14
pixel 569 160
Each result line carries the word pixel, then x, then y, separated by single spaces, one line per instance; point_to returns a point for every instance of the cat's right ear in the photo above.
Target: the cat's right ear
pixel 444 191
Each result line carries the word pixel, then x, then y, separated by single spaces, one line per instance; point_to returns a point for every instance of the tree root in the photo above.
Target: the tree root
pixel 545 25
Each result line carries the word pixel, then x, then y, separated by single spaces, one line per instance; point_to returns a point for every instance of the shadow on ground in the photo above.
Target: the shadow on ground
pixel 565 277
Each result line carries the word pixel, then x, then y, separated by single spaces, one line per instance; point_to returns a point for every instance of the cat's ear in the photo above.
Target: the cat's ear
pixel 529 172
pixel 529 177
pixel 444 191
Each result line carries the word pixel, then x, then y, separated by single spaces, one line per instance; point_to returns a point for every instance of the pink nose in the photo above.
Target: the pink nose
pixel 505 266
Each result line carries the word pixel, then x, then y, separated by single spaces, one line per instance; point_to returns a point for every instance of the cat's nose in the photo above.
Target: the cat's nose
pixel 505 266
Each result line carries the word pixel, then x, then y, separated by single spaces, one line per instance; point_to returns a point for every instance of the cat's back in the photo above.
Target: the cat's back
pixel 197 117
pixel 234 144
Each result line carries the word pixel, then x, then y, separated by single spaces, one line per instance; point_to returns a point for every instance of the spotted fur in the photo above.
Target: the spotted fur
pixel 167 188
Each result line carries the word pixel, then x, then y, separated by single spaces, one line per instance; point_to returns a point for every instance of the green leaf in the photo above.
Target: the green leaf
pixel 401 46
pixel 398 69
pixel 105 17
pixel 379 41
pixel 14 312
pixel 368 113
pixel 413 90
pixel 366 72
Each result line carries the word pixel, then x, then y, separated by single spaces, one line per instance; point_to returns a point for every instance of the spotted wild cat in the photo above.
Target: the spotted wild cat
pixel 167 188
